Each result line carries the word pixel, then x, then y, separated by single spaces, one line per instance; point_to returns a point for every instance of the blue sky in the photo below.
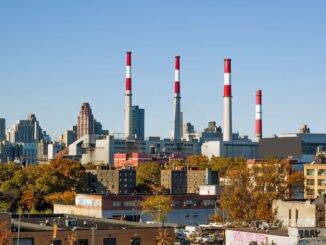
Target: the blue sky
pixel 56 54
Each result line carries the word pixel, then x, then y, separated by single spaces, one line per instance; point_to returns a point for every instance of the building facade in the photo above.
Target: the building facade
pixel 138 122
pixel 236 148
pixel 186 209
pixel 2 129
pixel 174 180
pixel 115 181
pixel 26 131
pixel 188 181
pixel 85 123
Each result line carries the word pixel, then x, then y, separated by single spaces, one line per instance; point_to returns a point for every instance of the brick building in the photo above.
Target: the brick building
pixel 113 180
pixel 188 181
pixel 62 229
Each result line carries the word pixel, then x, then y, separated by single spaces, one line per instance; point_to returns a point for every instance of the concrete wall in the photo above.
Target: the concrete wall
pixel 306 213
pixel 236 237
pixel 78 210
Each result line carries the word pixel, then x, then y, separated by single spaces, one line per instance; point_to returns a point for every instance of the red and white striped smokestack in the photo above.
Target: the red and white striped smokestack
pixel 177 98
pixel 259 122
pixel 227 117
pixel 128 98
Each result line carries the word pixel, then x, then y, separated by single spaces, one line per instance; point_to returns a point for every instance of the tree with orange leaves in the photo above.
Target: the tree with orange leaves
pixel 250 192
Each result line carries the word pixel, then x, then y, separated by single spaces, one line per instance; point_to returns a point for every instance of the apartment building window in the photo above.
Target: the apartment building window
pixel 310 182
pixel 322 182
pixel 289 214
pixel 322 172
pixel 311 192
pixel 310 172
pixel 321 192
pixel 296 215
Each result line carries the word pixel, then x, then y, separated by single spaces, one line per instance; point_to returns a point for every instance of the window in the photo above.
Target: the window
pixel 296 215
pixel 310 182
pixel 322 172
pixel 57 242
pixel 109 241
pixel 135 241
pixel 322 182
pixel 321 192
pixel 128 203
pixel 310 172
pixel 289 214
pixel 82 242
pixel 116 204
pixel 25 241
pixel 208 203
pixel 311 192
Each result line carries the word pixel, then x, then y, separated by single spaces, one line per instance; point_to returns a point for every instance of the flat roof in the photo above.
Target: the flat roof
pixel 46 222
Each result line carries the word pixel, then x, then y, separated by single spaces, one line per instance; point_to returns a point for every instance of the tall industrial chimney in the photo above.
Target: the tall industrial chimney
pixel 177 98
pixel 259 125
pixel 227 117
pixel 128 99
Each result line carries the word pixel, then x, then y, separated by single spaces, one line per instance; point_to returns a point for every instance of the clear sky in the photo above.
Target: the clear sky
pixel 54 55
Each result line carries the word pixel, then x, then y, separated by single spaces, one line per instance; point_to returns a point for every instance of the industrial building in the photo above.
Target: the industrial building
pixel 186 209
pixel 301 146
pixel 60 229
pixel 232 144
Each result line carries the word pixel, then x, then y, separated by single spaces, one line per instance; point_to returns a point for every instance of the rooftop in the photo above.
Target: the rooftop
pixel 68 222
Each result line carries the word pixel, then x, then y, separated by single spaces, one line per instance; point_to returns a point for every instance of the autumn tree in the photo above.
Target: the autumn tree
pixel 4 232
pixel 28 187
pixel 148 176
pixel 250 192
pixel 197 161
pixel 157 207
pixel 222 164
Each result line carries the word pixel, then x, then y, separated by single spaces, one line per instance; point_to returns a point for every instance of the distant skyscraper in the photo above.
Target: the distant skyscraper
pixel 85 124
pixel 26 131
pixel 98 129
pixel 2 129
pixel 138 122
pixel 68 137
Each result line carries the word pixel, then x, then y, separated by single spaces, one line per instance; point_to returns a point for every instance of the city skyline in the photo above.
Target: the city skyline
pixel 50 65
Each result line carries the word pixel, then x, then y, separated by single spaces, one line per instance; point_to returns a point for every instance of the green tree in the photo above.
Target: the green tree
pixel 148 176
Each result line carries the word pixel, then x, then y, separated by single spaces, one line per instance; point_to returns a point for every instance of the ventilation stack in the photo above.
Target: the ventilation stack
pixel 176 99
pixel 227 117
pixel 259 124
pixel 128 99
